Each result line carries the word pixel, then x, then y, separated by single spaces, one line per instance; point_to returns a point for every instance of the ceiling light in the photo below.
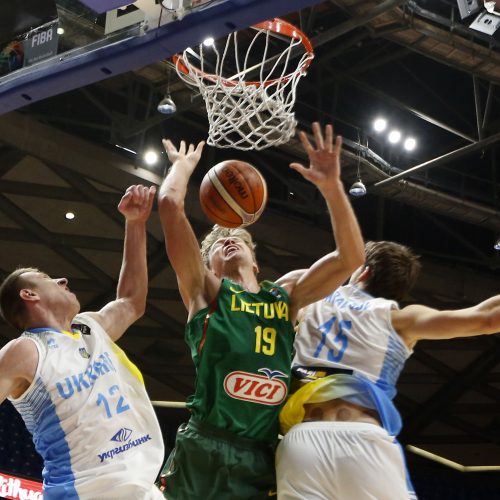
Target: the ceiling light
pixel 380 124
pixel 394 136
pixel 69 215
pixel 208 42
pixel 358 189
pixel 167 106
pixel 151 157
pixel 410 144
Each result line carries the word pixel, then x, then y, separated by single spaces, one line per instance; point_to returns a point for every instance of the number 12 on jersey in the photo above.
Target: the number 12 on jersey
pixel 340 340
pixel 121 406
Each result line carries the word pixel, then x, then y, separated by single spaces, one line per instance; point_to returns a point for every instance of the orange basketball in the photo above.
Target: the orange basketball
pixel 233 194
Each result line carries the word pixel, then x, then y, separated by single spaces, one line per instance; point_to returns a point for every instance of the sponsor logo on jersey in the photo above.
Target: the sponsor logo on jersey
pixel 267 389
pixel 128 444
pixel 266 310
pixel 276 292
pixel 83 381
pixel 303 373
pixel 122 435
pixel 84 353
pixel 235 291
pixel 52 344
pixel 83 329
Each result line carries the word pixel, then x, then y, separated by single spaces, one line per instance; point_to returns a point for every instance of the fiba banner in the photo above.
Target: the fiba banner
pixel 22 16
pixel 18 488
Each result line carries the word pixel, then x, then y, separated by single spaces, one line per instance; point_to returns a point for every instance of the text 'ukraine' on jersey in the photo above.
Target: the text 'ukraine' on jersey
pixel 242 350
pixel 89 413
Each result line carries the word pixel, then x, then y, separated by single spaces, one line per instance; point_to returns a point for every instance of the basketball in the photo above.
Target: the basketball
pixel 233 194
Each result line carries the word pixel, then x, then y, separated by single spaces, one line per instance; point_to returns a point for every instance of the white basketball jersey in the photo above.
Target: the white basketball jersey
pixel 351 330
pixel 90 416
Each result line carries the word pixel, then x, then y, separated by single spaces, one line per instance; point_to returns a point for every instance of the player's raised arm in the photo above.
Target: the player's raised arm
pixel 418 322
pixel 116 316
pixel 182 246
pixel 324 172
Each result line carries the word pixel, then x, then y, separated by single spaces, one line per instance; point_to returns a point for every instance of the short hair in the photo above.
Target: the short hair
pixel 12 307
pixel 218 232
pixel 394 269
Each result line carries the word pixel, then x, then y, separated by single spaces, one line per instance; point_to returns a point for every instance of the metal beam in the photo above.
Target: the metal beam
pixel 10 158
pixel 60 148
pixel 136 48
pixel 53 192
pixel 355 22
pixel 440 160
pixel 441 399
pixel 477 103
pixel 395 102
pixel 45 236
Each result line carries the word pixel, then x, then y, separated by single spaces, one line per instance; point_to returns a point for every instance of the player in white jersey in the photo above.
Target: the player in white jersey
pixel 341 425
pixel 80 397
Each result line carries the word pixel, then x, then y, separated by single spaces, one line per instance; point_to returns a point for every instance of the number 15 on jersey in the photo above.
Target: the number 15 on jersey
pixel 340 340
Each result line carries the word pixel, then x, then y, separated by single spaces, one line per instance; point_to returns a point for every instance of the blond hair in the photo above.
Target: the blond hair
pixel 218 232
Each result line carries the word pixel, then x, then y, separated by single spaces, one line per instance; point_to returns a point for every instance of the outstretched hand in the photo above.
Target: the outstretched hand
pixel 324 159
pixel 137 202
pixel 189 157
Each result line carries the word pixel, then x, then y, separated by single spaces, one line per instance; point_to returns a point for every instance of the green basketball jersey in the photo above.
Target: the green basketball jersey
pixel 241 346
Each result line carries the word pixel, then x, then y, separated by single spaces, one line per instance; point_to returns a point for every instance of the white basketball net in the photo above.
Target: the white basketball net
pixel 247 115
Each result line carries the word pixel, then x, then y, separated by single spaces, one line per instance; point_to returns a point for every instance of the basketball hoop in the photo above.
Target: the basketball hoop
pixel 258 113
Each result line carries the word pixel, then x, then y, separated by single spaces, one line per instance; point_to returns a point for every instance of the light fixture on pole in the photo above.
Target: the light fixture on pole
pixel 167 105
pixel 358 189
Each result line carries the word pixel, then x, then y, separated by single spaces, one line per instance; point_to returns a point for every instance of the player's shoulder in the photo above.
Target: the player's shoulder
pixel 89 319
pixel 18 351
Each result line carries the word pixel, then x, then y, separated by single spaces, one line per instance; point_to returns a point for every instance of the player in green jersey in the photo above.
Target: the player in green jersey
pixel 241 331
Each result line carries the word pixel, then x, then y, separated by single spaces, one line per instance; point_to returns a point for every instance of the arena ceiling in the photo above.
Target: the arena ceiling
pixel 423 69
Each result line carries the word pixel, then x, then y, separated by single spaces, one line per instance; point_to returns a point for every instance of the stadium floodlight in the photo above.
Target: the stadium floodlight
pixel 394 136
pixel 150 157
pixel 410 144
pixel 380 124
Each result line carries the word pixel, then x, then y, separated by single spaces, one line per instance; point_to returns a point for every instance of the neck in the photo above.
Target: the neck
pixel 50 321
pixel 247 280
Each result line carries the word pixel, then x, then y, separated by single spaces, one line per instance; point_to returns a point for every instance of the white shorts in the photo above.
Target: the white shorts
pixel 341 461
pixel 129 492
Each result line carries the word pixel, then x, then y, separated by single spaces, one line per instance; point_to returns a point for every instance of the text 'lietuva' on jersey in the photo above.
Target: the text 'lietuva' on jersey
pixel 349 332
pixel 89 414
pixel 241 346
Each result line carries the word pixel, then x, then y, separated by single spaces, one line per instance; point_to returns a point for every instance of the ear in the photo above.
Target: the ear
pixel 255 268
pixel 365 274
pixel 29 295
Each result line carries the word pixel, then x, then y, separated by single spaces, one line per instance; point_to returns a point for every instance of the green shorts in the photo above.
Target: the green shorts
pixel 209 463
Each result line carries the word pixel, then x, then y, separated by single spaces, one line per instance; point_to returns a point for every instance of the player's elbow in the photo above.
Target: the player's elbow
pixel 490 322
pixel 138 309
